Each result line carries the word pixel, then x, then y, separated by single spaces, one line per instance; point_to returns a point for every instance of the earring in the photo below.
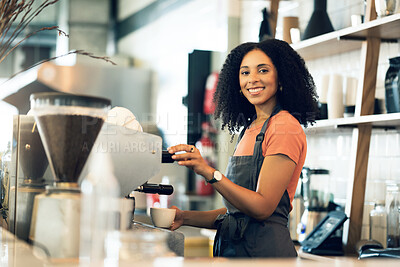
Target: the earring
pixel 240 92
pixel 280 87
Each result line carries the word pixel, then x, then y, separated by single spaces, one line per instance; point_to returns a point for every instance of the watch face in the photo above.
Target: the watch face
pixel 217 175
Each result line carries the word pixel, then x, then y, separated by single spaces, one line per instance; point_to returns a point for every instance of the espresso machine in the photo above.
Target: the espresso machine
pixel 73 130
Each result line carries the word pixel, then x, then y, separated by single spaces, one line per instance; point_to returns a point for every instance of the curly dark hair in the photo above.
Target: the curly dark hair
pixel 298 95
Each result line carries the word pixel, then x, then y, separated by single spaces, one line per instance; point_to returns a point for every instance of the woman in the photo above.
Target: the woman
pixel 266 89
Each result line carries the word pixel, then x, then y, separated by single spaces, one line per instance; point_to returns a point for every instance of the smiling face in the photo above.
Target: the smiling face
pixel 258 80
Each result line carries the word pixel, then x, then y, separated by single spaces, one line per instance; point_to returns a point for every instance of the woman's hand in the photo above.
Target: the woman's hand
pixel 178 221
pixel 192 159
pixel 202 219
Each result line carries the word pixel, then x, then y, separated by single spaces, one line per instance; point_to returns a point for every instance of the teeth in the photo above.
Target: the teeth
pixel 255 90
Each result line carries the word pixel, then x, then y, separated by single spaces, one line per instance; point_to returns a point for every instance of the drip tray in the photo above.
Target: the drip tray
pixel 175 239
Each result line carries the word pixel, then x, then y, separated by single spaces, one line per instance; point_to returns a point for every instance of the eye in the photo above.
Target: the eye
pixel 244 72
pixel 263 70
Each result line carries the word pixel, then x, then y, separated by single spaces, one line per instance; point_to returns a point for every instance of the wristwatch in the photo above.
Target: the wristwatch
pixel 217 177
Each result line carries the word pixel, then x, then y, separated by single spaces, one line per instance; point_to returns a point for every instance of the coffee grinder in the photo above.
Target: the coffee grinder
pixel 68 126
pixel 33 163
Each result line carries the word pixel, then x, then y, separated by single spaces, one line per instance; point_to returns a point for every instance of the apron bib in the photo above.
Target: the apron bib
pixel 239 235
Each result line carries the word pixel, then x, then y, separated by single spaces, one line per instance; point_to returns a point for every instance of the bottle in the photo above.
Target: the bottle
pixel 392 86
pixel 265 29
pixel 99 213
pixel 377 223
pixel 393 215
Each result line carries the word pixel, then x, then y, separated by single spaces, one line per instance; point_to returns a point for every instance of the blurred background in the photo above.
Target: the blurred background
pixel 174 49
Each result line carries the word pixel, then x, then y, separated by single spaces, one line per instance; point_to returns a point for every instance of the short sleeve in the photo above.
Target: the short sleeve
pixel 285 136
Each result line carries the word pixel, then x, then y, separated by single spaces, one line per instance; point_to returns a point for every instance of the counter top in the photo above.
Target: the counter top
pixel 17 253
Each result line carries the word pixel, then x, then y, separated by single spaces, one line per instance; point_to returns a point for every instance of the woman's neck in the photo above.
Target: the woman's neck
pixel 262 116
pixel 264 112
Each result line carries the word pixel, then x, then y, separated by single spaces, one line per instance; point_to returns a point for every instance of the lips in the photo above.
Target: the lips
pixel 255 91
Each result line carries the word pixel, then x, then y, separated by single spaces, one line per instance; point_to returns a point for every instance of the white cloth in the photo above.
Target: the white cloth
pixel 123 117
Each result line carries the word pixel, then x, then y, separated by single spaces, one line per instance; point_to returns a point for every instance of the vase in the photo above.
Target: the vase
pixel 319 22
pixel 265 28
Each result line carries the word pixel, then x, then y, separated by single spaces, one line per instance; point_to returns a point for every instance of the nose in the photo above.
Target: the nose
pixel 253 77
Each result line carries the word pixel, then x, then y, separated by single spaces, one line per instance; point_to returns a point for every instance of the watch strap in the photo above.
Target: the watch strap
pixel 216 174
pixel 213 180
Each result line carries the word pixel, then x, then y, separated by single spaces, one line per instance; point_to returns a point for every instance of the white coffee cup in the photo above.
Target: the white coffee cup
pixel 356 20
pixel 162 217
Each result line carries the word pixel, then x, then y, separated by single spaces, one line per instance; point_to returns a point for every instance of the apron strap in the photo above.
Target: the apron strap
pixel 240 137
pixel 257 152
pixel 260 136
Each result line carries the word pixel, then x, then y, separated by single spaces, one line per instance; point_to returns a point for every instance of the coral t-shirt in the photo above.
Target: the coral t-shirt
pixel 284 135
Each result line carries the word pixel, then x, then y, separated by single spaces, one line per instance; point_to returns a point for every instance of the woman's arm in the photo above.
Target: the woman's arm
pixel 204 219
pixel 275 175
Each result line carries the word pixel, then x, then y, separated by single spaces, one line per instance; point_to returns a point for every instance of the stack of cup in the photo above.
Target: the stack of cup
pixel 323 97
pixel 335 97
pixel 350 96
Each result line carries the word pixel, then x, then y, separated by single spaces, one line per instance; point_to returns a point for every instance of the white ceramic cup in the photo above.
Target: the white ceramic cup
pixel 356 20
pixel 295 35
pixel 162 217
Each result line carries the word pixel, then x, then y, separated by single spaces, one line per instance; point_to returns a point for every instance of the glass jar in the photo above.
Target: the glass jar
pixel 393 215
pixel 377 223
pixel 320 194
pixel 100 206
pixel 143 245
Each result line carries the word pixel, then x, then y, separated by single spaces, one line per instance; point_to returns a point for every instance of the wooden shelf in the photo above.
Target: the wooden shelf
pixel 369 37
pixel 384 121
pixel 348 39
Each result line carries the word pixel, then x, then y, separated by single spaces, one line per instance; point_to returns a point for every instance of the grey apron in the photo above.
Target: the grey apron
pixel 239 235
